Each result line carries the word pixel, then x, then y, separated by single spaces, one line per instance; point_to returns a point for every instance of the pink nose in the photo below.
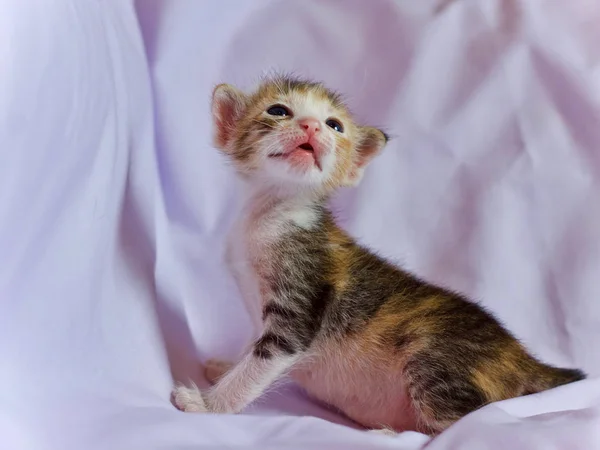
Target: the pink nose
pixel 310 125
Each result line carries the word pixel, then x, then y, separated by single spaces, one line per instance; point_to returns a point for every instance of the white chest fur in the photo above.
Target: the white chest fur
pixel 263 221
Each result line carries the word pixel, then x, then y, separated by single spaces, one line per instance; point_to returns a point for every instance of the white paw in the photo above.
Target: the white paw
pixel 214 369
pixel 384 431
pixel 188 399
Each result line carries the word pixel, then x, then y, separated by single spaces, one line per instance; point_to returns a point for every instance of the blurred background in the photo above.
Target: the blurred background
pixel 114 205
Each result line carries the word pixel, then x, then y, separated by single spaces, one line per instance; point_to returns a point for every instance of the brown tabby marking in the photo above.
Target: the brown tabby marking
pixel 383 346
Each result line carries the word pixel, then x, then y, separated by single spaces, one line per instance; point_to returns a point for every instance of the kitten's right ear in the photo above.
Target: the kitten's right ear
pixel 228 105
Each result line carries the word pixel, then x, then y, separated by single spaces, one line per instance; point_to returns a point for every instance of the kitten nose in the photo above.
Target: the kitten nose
pixel 310 125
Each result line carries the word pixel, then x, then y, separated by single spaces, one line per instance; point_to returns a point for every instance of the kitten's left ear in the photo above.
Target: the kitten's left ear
pixel 228 105
pixel 372 141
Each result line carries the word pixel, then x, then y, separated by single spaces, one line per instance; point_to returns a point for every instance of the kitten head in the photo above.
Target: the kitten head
pixel 293 133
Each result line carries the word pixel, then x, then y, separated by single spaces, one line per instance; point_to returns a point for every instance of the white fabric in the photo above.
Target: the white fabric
pixel 114 205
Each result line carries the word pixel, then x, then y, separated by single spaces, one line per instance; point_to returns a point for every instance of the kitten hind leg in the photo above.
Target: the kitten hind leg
pixel 214 370
pixel 441 393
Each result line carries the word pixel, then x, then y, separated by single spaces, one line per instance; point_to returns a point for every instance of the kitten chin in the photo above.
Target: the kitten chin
pixel 386 348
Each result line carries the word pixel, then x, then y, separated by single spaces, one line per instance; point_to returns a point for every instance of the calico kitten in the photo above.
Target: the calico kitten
pixel 386 348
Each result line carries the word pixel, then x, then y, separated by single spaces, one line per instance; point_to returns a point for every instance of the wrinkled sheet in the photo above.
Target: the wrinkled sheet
pixel 114 204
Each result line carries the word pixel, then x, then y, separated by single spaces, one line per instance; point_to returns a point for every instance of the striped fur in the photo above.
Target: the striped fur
pixel 384 347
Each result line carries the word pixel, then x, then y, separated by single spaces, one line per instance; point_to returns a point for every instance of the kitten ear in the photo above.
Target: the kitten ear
pixel 372 141
pixel 228 105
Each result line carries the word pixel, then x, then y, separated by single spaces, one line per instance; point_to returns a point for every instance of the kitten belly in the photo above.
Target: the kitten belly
pixel 368 389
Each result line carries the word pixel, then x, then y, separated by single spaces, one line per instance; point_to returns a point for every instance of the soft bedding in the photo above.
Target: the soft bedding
pixel 114 205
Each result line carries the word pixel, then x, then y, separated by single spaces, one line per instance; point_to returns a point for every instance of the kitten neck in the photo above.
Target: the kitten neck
pixel 275 207
pixel 279 195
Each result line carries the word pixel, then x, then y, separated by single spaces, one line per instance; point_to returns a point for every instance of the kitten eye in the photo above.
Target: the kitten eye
pixel 279 110
pixel 334 124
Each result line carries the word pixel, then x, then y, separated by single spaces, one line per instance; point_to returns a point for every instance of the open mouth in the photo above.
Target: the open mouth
pixel 306 146
pixel 299 154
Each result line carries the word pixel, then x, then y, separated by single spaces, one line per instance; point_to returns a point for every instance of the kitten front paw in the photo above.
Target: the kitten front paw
pixel 214 369
pixel 188 399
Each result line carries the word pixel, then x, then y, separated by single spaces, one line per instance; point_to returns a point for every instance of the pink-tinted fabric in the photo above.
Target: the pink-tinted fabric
pixel 114 205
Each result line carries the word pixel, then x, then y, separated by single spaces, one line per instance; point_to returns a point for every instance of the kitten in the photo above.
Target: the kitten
pixel 384 347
